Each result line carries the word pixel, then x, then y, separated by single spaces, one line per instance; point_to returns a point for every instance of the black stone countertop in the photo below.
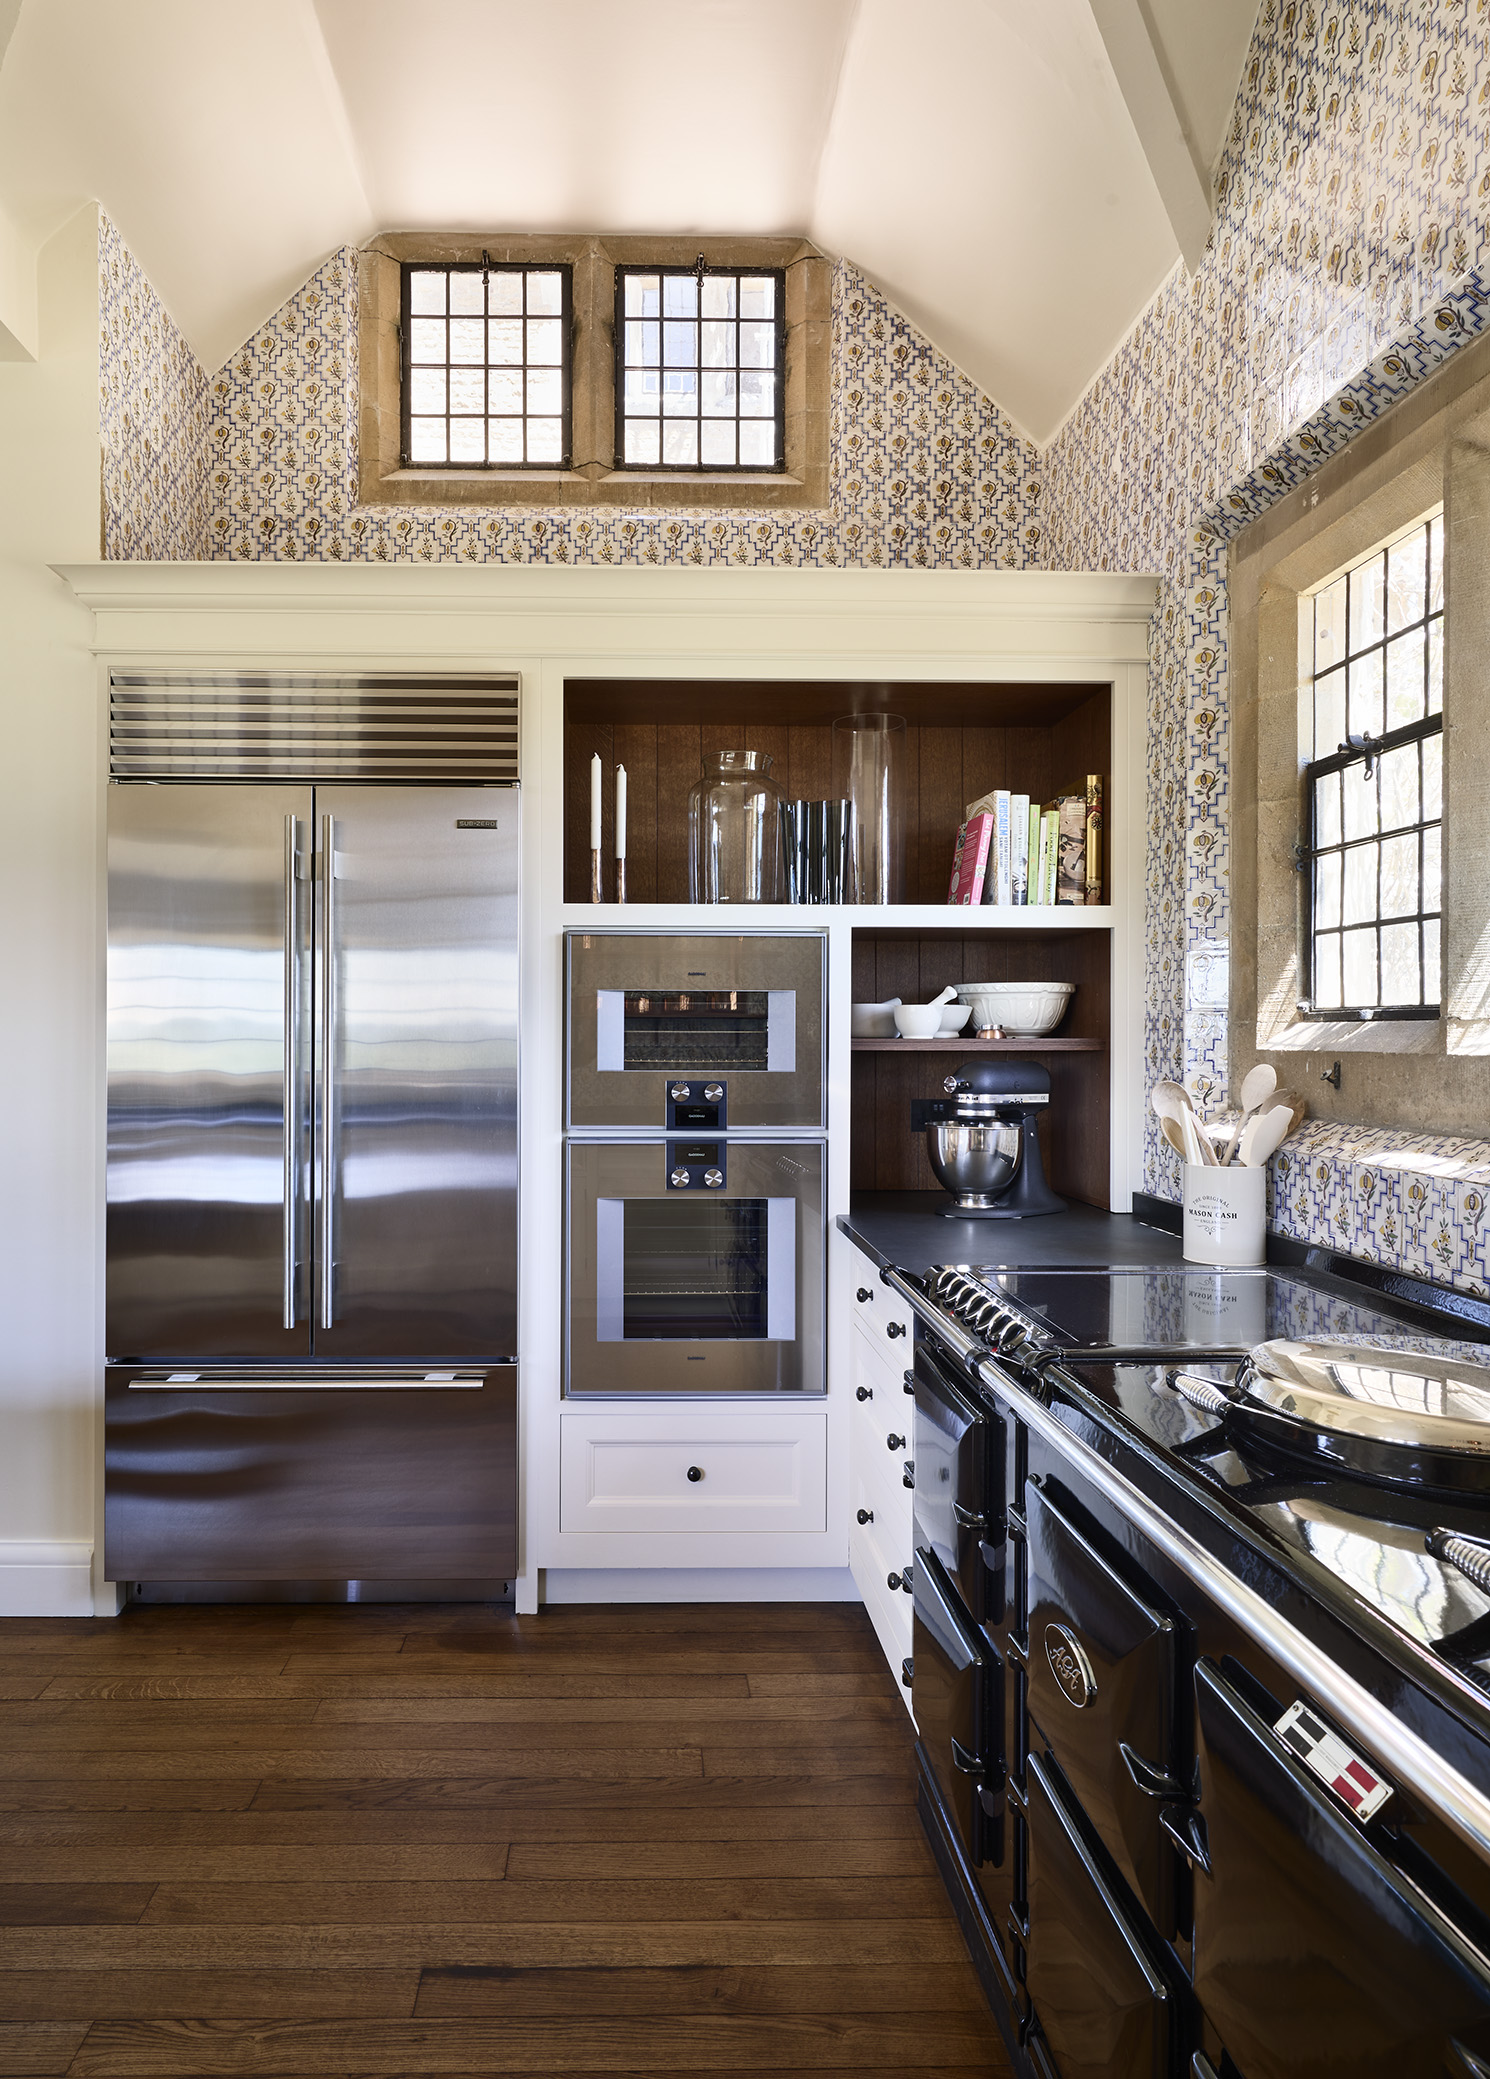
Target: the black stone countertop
pixel 908 1230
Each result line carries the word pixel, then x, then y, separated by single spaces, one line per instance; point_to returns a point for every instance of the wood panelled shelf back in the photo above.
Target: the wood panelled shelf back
pixel 884 1154
pixel 961 740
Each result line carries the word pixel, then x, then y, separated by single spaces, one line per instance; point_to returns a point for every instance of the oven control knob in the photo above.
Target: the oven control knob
pixel 679 1092
pixel 713 1178
pixel 714 1092
pixel 678 1179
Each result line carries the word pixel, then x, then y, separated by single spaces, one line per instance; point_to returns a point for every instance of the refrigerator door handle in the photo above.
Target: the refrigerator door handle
pixel 328 1068
pixel 291 1123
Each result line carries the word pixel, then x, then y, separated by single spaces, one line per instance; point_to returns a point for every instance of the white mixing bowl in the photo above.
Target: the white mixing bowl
pixel 1025 1010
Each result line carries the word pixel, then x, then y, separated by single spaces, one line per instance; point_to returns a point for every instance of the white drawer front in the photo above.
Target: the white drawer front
pixel 631 1473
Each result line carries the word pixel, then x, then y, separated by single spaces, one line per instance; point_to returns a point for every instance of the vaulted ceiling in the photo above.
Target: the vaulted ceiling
pixel 1018 178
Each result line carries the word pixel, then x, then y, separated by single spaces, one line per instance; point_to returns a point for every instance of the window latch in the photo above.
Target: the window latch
pixel 1364 742
pixel 1301 858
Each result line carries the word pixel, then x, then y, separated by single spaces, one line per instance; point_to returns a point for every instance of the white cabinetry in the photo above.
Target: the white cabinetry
pixel 881 1432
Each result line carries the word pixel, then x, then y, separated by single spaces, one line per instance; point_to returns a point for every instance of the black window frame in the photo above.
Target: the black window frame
pixel 565 270
pixel 699 273
pixel 1362 753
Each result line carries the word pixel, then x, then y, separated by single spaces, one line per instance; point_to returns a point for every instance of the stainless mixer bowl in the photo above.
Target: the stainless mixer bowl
pixel 975 1159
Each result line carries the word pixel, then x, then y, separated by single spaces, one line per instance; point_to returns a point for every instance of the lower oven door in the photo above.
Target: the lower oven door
pixel 957 1696
pixel 695 1266
pixel 1101 1690
pixel 1101 2002
pixel 1313 1953
pixel 959 1459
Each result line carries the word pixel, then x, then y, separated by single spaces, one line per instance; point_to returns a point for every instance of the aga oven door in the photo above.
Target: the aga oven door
pixel 959 1460
pixel 704 1034
pixel 1102 1692
pixel 695 1266
pixel 1101 2002
pixel 1313 1952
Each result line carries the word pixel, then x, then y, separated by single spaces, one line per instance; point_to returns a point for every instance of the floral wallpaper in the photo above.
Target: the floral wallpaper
pixel 153 415
pixel 925 472
pixel 1349 254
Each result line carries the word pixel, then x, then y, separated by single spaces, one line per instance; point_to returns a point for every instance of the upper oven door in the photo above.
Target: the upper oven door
pixel 703 1034
pixel 695 1265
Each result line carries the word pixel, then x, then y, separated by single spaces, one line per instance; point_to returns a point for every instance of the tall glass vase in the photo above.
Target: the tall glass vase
pixel 869 770
pixel 734 829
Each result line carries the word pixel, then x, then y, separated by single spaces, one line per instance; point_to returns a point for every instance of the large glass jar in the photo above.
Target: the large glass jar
pixel 869 768
pixel 734 831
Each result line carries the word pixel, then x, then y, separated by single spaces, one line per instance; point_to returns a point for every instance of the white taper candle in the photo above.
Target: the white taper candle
pixel 620 812
pixel 595 803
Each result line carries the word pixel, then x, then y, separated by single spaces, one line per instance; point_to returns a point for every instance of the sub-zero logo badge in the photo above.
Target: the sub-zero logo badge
pixel 1070 1666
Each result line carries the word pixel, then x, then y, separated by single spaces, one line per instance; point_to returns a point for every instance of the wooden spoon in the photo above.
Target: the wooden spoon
pixel 1258 1085
pixel 1173 1108
pixel 1171 1132
pixel 1265 1133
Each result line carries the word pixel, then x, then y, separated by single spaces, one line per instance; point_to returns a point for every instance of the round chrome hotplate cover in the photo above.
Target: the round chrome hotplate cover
pixel 1381 1411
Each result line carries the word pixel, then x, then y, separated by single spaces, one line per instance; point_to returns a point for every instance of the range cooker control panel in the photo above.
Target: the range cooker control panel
pixel 699 1107
pixel 987 1313
pixel 696 1165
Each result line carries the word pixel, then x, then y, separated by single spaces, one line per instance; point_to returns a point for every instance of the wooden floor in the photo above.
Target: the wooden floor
pixel 327 1841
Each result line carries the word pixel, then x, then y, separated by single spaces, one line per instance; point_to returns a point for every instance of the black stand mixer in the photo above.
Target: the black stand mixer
pixel 982 1141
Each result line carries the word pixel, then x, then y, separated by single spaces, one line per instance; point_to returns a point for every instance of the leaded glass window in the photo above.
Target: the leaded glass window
pixel 700 354
pixel 1374 783
pixel 486 372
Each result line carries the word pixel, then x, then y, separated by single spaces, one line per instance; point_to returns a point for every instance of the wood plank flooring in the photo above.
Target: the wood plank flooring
pixel 328 1841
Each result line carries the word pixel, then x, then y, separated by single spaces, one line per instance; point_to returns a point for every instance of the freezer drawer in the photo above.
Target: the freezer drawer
pixel 355 1475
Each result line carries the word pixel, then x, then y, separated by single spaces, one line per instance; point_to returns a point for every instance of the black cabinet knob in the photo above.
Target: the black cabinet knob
pixel 895 1328
pixel 695 1472
pixel 894 1442
pixel 863 1293
pixel 863 1393
pixel 866 1515
pixel 892 1580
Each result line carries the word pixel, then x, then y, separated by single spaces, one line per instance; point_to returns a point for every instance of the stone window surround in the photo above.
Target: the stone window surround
pixel 593 478
pixel 1433 448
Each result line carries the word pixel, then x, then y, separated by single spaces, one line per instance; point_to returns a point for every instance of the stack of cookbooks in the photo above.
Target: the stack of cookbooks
pixel 1015 851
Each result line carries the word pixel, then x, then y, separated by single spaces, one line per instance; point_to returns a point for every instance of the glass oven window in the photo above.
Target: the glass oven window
pixel 695 1269
pixel 712 1031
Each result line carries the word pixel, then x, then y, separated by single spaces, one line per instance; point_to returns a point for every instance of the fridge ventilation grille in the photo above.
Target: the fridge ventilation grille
pixel 213 726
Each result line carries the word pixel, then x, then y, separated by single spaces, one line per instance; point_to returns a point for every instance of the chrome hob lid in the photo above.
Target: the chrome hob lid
pixel 1387 1411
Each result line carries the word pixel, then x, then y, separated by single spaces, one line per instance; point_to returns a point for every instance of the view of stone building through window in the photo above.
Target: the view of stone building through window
pixel 699 368
pixel 1374 781
pixel 486 367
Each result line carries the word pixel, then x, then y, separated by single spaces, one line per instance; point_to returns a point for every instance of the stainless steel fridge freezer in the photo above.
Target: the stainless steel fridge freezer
pixel 312 1114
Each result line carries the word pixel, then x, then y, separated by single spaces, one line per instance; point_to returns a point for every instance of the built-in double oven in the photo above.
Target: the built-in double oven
pixel 695 1163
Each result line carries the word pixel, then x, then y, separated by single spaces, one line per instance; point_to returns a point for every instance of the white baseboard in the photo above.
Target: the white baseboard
pixel 51 1578
pixel 757 1584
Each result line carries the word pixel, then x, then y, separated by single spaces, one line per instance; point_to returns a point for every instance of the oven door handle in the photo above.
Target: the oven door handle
pixel 1154 1782
pixel 967 1764
pixel 970 1519
pixel 1186 1831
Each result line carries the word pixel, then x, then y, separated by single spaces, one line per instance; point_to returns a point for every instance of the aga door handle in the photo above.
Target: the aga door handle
pixel 1186 1830
pixel 1153 1781
pixel 970 1519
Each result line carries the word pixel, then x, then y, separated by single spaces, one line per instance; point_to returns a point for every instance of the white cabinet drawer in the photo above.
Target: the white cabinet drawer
pixel 682 1471
pixel 882 1316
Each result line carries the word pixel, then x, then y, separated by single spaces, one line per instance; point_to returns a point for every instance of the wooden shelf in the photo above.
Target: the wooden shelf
pixel 958 1045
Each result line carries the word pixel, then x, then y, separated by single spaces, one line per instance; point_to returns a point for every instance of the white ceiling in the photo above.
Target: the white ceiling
pixel 977 158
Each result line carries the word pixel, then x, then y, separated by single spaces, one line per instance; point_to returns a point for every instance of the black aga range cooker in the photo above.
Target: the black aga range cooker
pixel 1201 1669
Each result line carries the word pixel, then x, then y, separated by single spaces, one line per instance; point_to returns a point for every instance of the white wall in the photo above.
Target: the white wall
pixel 50 1028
